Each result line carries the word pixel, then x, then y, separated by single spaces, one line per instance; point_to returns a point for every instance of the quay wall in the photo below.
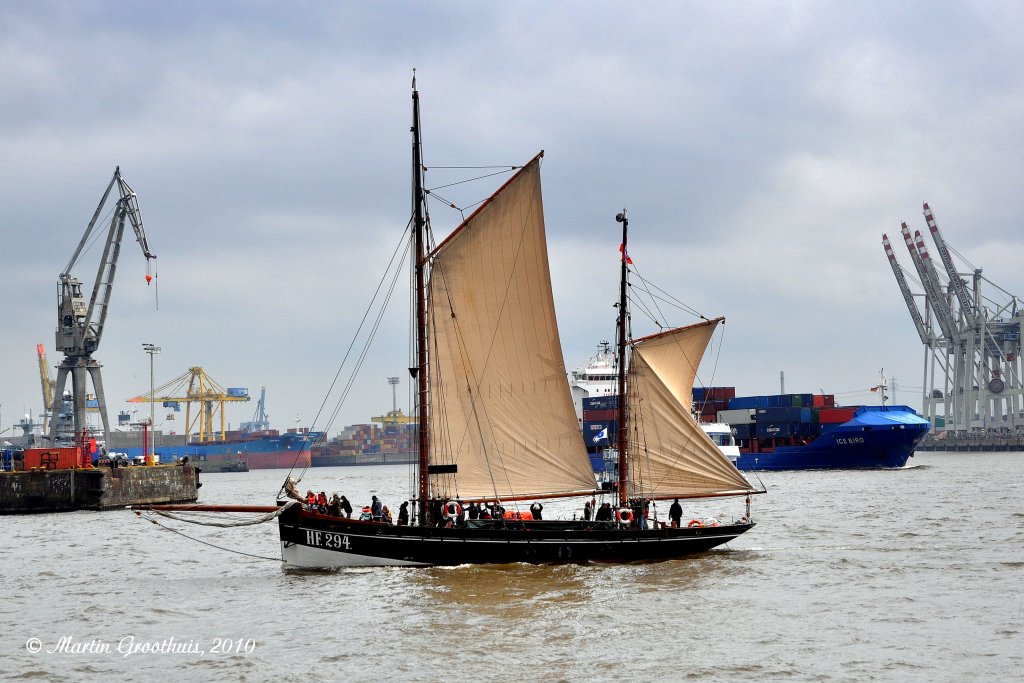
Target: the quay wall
pixel 100 488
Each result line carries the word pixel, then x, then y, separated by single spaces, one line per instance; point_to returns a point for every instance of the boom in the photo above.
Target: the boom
pixel 908 296
pixel 966 302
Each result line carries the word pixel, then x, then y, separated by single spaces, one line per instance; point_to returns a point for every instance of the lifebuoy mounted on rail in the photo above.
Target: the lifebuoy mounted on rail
pixel 695 523
pixel 452 509
pixel 624 516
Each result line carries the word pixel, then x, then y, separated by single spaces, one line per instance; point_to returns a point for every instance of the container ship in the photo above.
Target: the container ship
pixel 389 440
pixel 772 432
pixel 237 451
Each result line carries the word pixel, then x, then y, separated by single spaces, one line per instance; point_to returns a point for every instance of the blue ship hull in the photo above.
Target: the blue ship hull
pixel 876 437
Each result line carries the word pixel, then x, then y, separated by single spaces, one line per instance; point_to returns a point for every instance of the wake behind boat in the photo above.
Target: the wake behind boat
pixel 496 423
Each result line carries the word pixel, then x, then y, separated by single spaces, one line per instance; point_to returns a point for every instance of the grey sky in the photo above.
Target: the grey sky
pixel 761 149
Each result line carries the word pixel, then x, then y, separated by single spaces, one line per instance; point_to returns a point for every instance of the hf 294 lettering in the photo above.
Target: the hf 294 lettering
pixel 326 539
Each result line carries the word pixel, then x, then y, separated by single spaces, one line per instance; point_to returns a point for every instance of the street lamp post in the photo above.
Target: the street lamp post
pixel 152 351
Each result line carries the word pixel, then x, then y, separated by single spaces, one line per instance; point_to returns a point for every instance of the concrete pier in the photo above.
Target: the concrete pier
pixel 99 488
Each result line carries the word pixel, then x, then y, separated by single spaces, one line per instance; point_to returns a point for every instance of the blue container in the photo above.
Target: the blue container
pixel 780 414
pixel 774 430
pixel 742 431
pixel 8 460
pixel 699 393
pixel 238 391
pixel 600 402
pixel 743 402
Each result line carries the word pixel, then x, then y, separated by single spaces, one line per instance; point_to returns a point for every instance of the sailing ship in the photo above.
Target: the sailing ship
pixel 496 421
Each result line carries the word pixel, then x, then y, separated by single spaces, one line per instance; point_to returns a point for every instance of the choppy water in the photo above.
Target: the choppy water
pixel 909 575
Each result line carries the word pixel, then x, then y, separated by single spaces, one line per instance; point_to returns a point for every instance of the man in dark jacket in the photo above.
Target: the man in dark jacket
pixel 675 514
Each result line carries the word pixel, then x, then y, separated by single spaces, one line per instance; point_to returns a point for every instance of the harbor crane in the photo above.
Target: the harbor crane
pixel 47 383
pixel 195 386
pixel 970 328
pixel 80 326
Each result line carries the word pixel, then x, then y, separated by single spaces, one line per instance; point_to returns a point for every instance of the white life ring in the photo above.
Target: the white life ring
pixel 452 509
pixel 624 516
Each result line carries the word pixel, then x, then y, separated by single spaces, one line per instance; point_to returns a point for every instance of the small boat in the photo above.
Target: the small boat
pixel 496 423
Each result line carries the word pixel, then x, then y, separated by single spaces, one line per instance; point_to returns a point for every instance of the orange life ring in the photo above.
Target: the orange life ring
pixel 452 509
pixel 624 516
pixel 695 522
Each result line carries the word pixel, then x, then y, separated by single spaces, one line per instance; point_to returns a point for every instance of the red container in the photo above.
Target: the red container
pixel 720 393
pixel 824 400
pixel 52 458
pixel 834 415
pixel 605 415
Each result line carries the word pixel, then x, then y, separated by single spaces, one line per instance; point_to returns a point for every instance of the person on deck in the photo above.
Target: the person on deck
pixel 675 514
pixel 346 507
pixel 321 502
pixel 311 501
pixel 335 507
pixel 474 511
pixel 403 513
pixel 376 508
pixel 536 510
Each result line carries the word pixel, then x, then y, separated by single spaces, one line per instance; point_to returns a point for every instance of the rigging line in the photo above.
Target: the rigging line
pixel 671 299
pixel 212 545
pixel 639 303
pixel 366 347
pixel 654 301
pixel 470 180
pixel 348 351
pixel 471 168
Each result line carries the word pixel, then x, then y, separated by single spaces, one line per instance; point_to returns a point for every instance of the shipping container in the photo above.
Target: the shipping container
pixel 593 415
pixel 832 415
pixel 742 431
pixel 721 393
pixel 53 458
pixel 823 400
pixel 238 391
pixel 739 402
pixel 600 402
pixel 699 393
pixel 774 430
pixel 740 416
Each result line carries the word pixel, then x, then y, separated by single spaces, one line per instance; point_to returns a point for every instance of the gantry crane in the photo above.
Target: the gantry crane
pixel 195 386
pixel 47 383
pixel 80 327
pixel 976 346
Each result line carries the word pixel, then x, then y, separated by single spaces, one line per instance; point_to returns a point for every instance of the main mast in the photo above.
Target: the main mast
pixel 621 349
pixel 420 257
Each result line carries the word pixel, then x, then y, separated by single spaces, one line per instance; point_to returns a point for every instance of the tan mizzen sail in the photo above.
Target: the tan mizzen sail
pixel 669 454
pixel 500 407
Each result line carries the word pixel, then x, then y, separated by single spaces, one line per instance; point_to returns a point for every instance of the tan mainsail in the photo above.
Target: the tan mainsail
pixel 500 407
pixel 669 454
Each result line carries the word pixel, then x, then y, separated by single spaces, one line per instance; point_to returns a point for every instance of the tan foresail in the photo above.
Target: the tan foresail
pixel 669 454
pixel 500 407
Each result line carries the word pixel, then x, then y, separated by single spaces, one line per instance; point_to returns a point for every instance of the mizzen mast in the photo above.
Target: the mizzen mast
pixel 621 349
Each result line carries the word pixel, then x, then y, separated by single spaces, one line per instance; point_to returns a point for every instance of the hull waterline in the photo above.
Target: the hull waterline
pixel 313 540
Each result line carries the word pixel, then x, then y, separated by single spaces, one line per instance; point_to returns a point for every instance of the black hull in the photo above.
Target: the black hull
pixel 322 541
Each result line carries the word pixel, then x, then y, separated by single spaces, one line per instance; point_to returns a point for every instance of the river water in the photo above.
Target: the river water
pixel 905 575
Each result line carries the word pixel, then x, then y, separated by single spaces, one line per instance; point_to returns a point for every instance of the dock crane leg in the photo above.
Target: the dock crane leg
pixel 101 400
